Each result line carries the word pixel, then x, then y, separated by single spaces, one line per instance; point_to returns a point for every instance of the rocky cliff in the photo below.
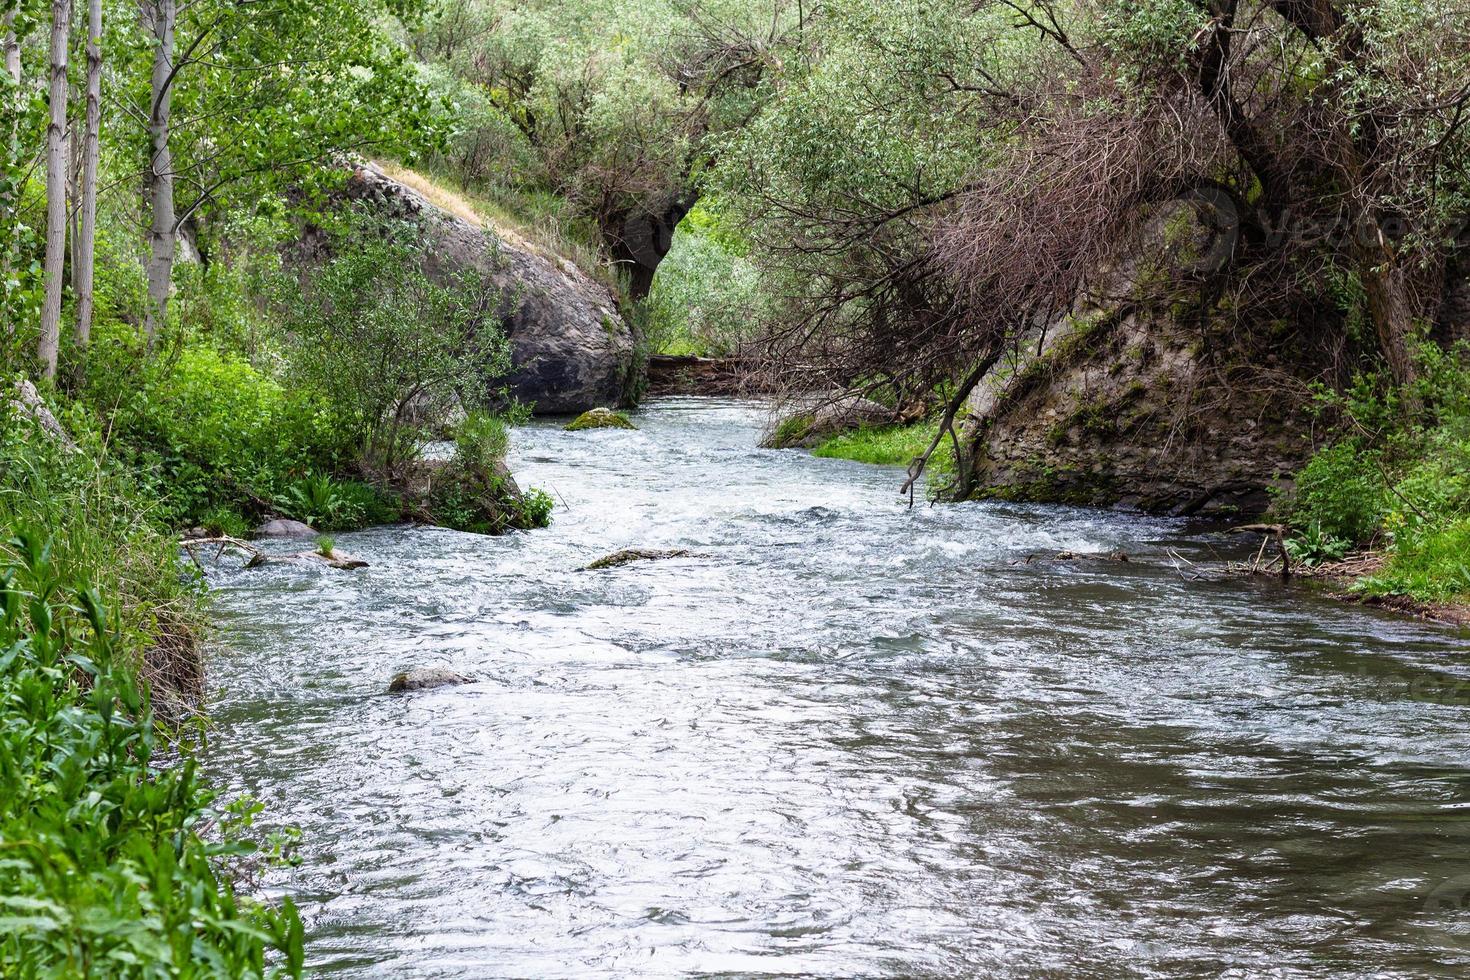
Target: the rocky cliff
pixel 570 350
pixel 1161 404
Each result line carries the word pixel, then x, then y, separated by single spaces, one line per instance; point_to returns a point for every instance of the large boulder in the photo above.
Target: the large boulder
pixel 1140 399
pixel 570 350
pixel 285 529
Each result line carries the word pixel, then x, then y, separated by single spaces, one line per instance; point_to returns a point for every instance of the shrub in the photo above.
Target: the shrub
pixel 482 439
pixel 206 429
pixel 1340 492
pixel 389 349
pixel 105 873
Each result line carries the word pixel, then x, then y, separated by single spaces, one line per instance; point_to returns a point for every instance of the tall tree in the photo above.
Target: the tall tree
pixel 86 243
pixel 10 114
pixel 160 18
pixel 270 90
pixel 56 146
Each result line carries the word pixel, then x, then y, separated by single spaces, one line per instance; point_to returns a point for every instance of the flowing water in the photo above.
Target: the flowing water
pixel 852 739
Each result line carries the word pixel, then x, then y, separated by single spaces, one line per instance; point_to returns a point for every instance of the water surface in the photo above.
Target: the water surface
pixel 855 739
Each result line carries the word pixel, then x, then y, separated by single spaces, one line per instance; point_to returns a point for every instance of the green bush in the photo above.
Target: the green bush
pixel 1340 491
pixel 205 429
pixel 482 439
pixel 389 350
pixel 104 871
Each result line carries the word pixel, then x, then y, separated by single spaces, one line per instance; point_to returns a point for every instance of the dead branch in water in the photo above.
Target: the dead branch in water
pixel 259 557
pixel 1269 531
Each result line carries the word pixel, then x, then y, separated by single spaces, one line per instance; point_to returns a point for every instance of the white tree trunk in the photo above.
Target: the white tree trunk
pixel 12 48
pixel 160 16
pixel 56 144
pixel 86 245
pixel 8 200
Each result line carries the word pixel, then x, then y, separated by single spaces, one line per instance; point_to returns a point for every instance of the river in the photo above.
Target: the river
pixel 854 739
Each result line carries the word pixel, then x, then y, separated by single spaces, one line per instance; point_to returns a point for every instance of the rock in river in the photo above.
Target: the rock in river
pixel 600 418
pixel 629 555
pixel 426 678
pixel 285 529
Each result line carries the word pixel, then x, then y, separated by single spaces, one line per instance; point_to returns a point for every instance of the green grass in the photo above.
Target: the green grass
pixel 1430 567
pixel 890 445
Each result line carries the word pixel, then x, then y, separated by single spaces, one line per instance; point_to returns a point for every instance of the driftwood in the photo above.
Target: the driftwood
pixel 259 557
pixel 1116 556
pixel 1268 531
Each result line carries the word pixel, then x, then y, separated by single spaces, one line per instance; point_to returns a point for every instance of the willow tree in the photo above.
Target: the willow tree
pixel 624 106
pixel 950 172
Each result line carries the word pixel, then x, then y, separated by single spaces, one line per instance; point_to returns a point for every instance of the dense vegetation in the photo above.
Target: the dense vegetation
pixel 161 165
pixel 871 197
pixel 886 197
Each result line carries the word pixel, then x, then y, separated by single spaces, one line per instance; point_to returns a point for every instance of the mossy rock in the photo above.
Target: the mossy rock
pixel 600 418
pixel 630 555
pixel 792 432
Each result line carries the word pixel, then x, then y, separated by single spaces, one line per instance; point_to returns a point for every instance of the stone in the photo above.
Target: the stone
pixel 570 349
pixel 28 404
pixel 600 418
pixel 426 679
pixel 630 555
pixel 285 529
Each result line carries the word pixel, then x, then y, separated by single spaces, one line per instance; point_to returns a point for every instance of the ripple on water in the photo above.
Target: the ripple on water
pixel 856 739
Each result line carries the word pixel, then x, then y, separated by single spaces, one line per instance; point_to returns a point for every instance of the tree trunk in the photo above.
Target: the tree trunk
pixel 159 17
pixel 12 48
pixel 1391 300
pixel 86 246
pixel 638 242
pixel 8 198
pixel 56 160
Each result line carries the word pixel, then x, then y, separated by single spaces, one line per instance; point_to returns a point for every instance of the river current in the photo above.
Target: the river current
pixel 850 738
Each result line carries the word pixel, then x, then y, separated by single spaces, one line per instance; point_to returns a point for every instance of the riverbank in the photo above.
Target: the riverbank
pixel 1354 578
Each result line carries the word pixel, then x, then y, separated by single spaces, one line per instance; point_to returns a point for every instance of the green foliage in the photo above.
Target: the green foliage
pixel 227 521
pixel 317 500
pixel 705 296
pixel 1339 492
pixel 390 350
pixel 1316 547
pixel 791 430
pixel 206 429
pixel 894 445
pixel 482 440
pixel 324 545
pixel 1405 479
pixel 101 521
pixel 273 89
pixel 488 503
pixel 889 445
pixel 105 872
pixel 1431 566
pixel 600 418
